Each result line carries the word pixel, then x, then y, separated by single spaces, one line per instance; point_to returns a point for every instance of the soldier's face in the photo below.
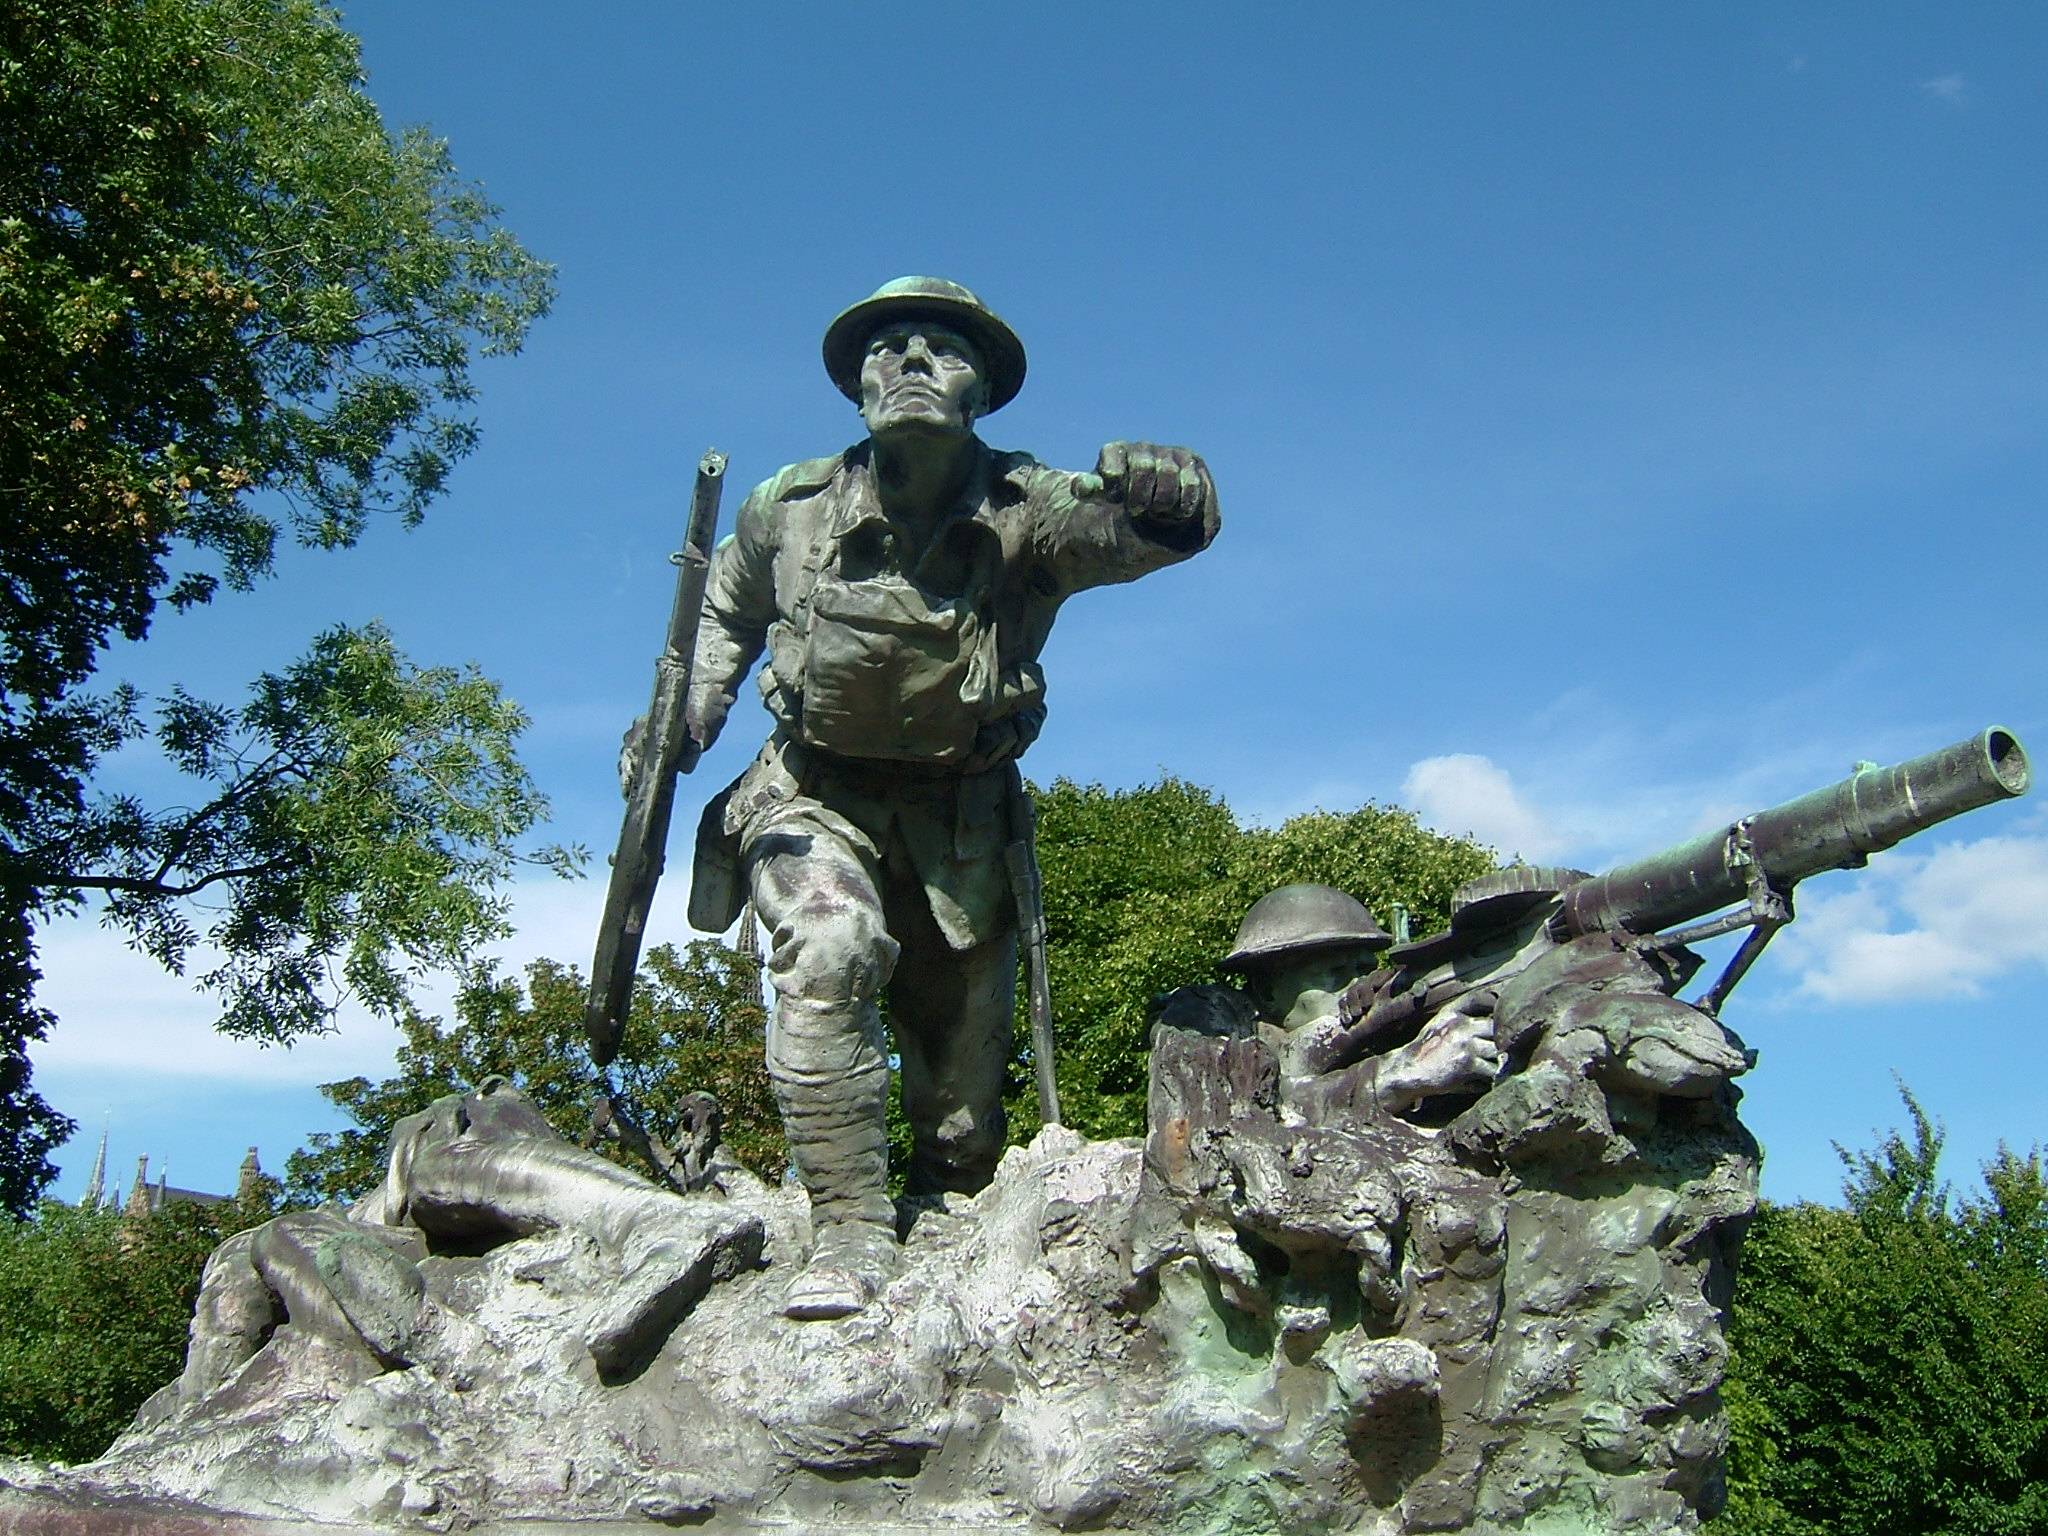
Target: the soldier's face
pixel 921 377
pixel 1306 987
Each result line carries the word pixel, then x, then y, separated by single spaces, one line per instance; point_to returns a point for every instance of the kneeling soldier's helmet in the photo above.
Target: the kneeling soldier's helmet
pixel 1296 918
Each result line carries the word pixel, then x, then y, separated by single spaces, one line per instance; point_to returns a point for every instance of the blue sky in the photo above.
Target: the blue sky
pixel 1625 417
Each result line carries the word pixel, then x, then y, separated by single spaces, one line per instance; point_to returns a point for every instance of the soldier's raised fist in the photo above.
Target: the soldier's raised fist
pixel 1155 482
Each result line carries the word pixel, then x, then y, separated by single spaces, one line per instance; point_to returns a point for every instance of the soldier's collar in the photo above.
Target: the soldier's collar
pixel 997 480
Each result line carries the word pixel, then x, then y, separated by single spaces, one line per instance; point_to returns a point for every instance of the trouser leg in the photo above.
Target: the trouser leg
pixel 817 896
pixel 483 1188
pixel 951 1011
pixel 344 1281
pixel 236 1311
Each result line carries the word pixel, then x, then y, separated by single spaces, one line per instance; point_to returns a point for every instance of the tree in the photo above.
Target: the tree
pixel 1888 1376
pixel 234 308
pixel 1144 889
pixel 93 1311
pixel 696 1024
pixel 364 812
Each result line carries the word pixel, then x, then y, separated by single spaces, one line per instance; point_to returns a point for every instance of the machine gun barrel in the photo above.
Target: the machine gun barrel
pixel 1752 864
pixel 1838 827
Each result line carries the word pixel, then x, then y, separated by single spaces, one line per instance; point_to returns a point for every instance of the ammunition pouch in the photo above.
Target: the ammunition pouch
pixel 884 671
pixel 718 889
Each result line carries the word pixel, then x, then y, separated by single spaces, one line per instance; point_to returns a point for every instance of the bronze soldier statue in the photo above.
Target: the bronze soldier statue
pixel 902 591
pixel 1300 950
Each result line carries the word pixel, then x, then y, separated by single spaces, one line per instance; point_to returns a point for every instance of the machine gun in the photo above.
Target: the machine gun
pixel 1503 922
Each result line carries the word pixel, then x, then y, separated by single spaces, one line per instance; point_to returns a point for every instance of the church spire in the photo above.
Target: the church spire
pixel 96 1181
pixel 250 1184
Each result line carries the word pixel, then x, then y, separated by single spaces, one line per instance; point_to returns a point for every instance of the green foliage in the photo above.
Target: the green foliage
pixel 363 814
pixel 1144 889
pixel 219 275
pixel 696 1025
pixel 1888 1375
pixel 93 1311
pixel 234 308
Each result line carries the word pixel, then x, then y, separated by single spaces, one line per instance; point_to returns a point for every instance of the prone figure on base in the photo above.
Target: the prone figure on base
pixel 469 1173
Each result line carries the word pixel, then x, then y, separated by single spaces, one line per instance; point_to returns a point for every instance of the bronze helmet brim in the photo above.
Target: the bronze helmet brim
pixel 1247 959
pixel 1002 354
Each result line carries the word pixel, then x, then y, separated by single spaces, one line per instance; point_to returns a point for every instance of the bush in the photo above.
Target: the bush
pixel 1144 889
pixel 1890 1371
pixel 93 1312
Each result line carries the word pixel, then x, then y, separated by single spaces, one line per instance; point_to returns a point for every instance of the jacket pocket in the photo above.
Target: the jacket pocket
pixel 890 673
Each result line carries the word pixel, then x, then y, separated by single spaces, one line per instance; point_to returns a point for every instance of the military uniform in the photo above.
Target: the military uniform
pixel 904 683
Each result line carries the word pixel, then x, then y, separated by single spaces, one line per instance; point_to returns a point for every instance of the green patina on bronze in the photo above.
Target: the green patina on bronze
pixel 900 592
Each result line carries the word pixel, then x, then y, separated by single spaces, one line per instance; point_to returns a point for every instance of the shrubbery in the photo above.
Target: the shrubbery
pixel 1891 1358
pixel 93 1310
pixel 1143 892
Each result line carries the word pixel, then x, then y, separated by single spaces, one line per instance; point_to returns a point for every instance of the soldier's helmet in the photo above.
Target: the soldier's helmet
pixel 926 298
pixel 1297 918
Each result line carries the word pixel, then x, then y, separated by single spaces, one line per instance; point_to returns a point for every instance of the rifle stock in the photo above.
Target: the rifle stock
pixel 665 751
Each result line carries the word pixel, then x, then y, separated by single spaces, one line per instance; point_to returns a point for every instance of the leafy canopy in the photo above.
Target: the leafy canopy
pixel 234 308
pixel 364 812
pixel 219 275
pixel 1890 1370
pixel 1144 889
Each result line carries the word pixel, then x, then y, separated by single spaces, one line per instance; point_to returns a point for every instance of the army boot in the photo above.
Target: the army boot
pixel 840 1147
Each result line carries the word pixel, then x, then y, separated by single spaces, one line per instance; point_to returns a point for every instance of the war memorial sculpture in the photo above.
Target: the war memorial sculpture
pixel 1433 1235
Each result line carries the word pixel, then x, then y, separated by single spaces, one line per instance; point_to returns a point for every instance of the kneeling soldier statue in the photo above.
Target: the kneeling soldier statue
pixel 902 591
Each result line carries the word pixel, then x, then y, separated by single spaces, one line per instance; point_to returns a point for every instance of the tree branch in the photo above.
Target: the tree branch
pixel 135 885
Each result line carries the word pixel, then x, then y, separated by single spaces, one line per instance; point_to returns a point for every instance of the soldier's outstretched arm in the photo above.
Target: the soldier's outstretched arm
pixel 739 605
pixel 1146 505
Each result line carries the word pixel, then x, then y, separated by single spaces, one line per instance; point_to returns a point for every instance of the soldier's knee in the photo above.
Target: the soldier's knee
pixel 837 951
pixel 825 1042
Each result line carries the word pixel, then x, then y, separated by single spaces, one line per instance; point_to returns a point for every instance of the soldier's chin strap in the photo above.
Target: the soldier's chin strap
pixel 1768 909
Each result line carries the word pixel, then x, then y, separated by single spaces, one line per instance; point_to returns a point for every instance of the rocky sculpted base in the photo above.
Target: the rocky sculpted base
pixel 1238 1325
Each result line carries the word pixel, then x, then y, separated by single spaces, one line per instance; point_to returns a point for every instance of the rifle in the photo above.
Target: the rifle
pixel 1502 923
pixel 664 750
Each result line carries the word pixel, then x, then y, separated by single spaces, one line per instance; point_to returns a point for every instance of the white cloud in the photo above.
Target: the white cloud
pixel 1952 89
pixel 1938 925
pixel 1468 795
pixel 120 1011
